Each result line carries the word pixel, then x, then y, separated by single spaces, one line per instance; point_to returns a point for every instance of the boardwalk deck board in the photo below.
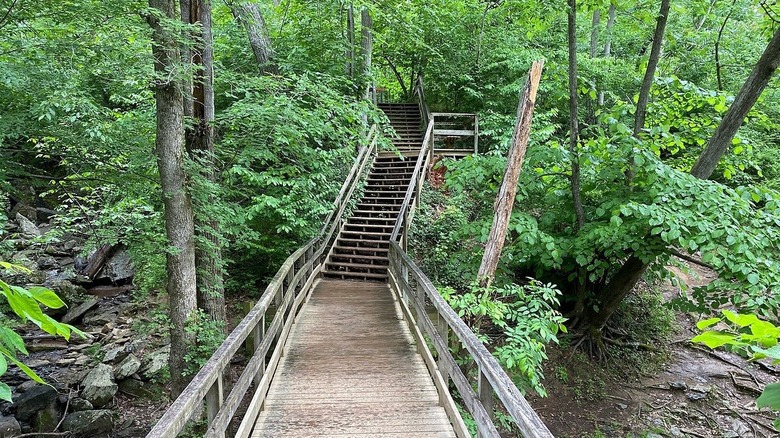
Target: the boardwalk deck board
pixel 351 368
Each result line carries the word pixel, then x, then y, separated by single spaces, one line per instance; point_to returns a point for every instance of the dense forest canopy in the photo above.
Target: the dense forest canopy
pixel 80 94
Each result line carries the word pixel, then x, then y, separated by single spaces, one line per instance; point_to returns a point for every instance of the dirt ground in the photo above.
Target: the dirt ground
pixel 684 390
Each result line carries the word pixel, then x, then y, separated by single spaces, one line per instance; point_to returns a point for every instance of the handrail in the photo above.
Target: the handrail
pixel 419 91
pixel 414 185
pixel 287 290
pixel 492 379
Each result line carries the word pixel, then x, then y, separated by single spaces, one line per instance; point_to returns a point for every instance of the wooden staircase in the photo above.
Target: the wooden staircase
pixel 361 248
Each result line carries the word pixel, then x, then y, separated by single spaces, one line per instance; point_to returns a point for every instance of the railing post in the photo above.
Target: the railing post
pixel 485 394
pixel 214 399
pixel 476 134
pixel 444 333
pixel 259 333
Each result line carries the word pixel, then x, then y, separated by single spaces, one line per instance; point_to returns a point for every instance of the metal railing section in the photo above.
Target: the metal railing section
pixel 287 291
pixel 417 296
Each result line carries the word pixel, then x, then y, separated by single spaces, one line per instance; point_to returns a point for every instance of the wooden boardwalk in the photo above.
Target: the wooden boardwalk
pixel 351 368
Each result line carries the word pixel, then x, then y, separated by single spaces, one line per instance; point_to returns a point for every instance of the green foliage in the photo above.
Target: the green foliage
pixel 515 321
pixel 26 304
pixel 752 337
pixel 208 335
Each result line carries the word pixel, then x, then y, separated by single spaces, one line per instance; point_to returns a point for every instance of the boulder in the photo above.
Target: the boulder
pixel 46 419
pixel 77 312
pixel 33 400
pixel 27 227
pixel 78 404
pixel 114 353
pixel 89 424
pixel 156 361
pixel 137 388
pixel 129 366
pixel 119 268
pixel 9 427
pixel 47 262
pixel 99 317
pixel 99 386
pixel 69 293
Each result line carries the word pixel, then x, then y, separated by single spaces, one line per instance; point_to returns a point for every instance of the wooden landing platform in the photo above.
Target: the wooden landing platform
pixel 351 369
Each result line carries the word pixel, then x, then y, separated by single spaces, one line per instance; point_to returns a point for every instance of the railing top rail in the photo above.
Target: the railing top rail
pixel 399 222
pixel 454 114
pixel 525 417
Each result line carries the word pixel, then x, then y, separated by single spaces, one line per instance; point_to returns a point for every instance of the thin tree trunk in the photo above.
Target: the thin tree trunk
pixel 717 47
pixel 703 18
pixel 629 274
pixel 574 129
pixel 647 82
pixel 735 115
pixel 349 53
pixel 169 145
pixel 186 59
pixel 366 43
pixel 250 16
pixel 594 32
pixel 200 145
pixel 608 42
pixel 506 194
pixel 398 77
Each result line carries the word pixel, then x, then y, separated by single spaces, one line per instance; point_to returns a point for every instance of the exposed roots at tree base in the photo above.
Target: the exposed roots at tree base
pixel 595 344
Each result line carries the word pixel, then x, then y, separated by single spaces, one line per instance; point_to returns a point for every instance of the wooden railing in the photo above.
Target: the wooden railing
pixel 417 297
pixel 280 302
pixel 456 126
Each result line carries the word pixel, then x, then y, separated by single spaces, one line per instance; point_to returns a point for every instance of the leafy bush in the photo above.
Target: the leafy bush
pixel 516 321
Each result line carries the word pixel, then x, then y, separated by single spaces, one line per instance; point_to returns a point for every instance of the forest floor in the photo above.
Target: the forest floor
pixel 681 390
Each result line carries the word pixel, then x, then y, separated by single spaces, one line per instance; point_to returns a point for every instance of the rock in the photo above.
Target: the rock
pixel 119 268
pixel 114 353
pixel 137 388
pixel 155 361
pixel 78 404
pixel 69 293
pixel 36 363
pixel 47 262
pixel 129 366
pixel 27 227
pixel 46 419
pixel 34 400
pixel 77 312
pixel 27 385
pixel 679 385
pixel 99 317
pixel 622 406
pixel 9 427
pixel 89 424
pixel 676 432
pixel 99 386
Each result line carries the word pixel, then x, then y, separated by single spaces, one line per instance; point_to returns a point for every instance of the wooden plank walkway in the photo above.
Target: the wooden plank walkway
pixel 351 369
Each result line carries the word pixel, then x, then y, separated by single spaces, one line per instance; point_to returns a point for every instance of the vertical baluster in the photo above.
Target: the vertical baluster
pixel 444 333
pixel 485 394
pixel 214 399
pixel 259 334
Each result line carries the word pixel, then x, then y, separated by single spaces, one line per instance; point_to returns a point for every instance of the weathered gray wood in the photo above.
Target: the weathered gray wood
pixel 525 417
pixel 427 140
pixel 454 132
pixel 214 399
pixel 350 332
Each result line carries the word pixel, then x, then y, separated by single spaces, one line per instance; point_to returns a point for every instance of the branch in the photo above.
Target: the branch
pixel 7 13
pixel 688 258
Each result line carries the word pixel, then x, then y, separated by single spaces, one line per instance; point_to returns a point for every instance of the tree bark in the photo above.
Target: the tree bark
pixel 629 274
pixel 506 194
pixel 169 145
pixel 250 16
pixel 608 42
pixel 200 146
pixel 594 32
pixel 647 82
pixel 574 129
pixel 735 115
pixel 366 43
pixel 349 53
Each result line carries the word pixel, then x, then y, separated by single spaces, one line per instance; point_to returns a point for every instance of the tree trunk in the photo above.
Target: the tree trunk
pixel 735 115
pixel 647 82
pixel 366 43
pixel 506 194
pixel 179 227
pixel 717 47
pixel 629 274
pixel 349 53
pixel 574 129
pixel 608 42
pixel 250 16
pixel 594 32
pixel 200 145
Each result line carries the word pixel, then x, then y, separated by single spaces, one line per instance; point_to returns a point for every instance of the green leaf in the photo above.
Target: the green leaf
pixel 770 397
pixel 714 339
pixel 47 297
pixel 753 278
pixel 5 392
pixel 701 325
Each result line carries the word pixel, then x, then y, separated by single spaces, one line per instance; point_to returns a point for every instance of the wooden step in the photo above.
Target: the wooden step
pixel 361 243
pixel 355 276
pixel 378 260
pixel 334 267
pixel 357 249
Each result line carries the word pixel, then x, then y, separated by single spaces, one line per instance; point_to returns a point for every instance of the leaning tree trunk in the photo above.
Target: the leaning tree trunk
pixel 179 227
pixel 743 102
pixel 647 82
pixel 608 42
pixel 200 145
pixel 506 194
pixel 249 15
pixel 629 274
